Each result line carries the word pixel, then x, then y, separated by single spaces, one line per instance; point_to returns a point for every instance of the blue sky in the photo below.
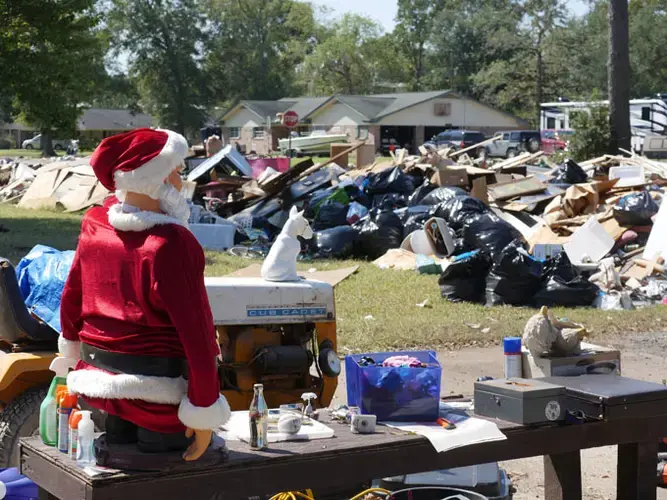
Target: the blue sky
pixel 384 11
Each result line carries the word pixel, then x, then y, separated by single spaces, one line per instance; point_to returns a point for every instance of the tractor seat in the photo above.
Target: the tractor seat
pixel 17 325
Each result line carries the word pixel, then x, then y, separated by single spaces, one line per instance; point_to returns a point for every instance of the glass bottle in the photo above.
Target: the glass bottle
pixel 259 419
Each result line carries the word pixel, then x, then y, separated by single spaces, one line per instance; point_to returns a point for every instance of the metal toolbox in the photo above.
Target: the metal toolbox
pixel 611 397
pixel 520 401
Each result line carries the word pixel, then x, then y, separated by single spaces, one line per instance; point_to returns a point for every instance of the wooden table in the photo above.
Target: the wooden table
pixel 348 459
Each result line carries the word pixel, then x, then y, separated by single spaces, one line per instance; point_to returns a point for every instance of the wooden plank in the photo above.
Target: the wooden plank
pixel 635 472
pixel 529 185
pixel 295 466
pixel 474 146
pixel 562 476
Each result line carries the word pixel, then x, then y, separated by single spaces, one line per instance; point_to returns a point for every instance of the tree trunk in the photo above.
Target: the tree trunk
pixel 47 144
pixel 420 68
pixel 539 85
pixel 619 76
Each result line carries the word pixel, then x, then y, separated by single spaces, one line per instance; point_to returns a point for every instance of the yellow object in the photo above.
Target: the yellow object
pixel 369 491
pixel 292 495
pixel 21 371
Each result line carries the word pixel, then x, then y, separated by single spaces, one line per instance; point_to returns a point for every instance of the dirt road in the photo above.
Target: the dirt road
pixel 642 357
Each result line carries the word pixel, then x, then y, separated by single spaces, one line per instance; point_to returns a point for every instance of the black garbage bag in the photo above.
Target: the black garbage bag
pixel 569 173
pixel 337 243
pixel 419 194
pixel 330 214
pixel 441 194
pixel 464 279
pixel 457 210
pixel 379 231
pixel 415 222
pixel 314 200
pixel 392 180
pixel 636 209
pixel 489 233
pixel 562 285
pixel 514 278
pixel 390 201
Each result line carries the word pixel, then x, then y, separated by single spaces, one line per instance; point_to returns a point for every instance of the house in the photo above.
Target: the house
pixel 94 124
pixel 409 118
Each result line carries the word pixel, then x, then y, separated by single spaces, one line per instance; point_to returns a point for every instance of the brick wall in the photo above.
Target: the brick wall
pixel 261 146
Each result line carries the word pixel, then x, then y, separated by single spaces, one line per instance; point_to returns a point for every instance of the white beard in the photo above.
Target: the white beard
pixel 173 203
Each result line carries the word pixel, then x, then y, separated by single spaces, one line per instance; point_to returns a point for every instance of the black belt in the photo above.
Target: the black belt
pixel 131 364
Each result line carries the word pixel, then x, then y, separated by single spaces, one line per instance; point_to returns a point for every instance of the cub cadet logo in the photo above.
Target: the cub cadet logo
pixel 288 311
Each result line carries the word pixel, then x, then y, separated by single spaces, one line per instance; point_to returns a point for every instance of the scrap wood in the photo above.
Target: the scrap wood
pixel 529 185
pixel 651 265
pixel 522 159
pixel 278 183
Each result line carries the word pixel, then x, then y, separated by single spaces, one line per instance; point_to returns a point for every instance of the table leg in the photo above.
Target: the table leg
pixel 562 476
pixel 42 494
pixel 636 470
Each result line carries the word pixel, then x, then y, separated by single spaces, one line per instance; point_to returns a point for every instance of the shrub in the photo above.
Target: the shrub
pixel 591 133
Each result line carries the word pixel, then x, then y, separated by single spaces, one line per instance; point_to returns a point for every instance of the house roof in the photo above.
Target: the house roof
pixel 405 100
pixel 113 119
pixel 268 108
pixel 367 106
pixel 305 106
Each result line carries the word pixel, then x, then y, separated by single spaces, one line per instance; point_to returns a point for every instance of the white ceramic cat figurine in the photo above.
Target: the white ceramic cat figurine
pixel 280 263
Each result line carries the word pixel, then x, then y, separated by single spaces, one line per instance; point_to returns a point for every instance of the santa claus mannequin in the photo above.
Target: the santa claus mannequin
pixel 136 321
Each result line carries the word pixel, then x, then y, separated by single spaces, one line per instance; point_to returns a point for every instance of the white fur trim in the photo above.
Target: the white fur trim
pixel 138 221
pixel 99 384
pixel 147 178
pixel 69 348
pixel 209 417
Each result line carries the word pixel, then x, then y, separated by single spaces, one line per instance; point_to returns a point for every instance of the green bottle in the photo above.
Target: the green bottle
pixel 48 416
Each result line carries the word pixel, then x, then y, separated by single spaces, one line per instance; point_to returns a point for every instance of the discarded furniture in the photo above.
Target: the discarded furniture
pixel 353 458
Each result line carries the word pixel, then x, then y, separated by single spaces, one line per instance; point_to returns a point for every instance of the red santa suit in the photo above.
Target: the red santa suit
pixel 136 287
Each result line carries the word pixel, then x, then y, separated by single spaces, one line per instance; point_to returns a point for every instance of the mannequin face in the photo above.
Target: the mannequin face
pixel 175 178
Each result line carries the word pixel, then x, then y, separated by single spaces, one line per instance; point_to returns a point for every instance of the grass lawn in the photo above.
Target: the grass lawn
pixel 376 308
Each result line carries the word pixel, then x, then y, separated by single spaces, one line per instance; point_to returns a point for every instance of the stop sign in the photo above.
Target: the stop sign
pixel 290 119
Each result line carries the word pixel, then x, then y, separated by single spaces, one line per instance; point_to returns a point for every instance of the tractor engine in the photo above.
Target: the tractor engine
pixel 281 335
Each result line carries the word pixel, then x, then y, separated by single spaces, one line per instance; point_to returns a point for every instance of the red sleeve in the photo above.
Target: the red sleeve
pixel 179 284
pixel 70 312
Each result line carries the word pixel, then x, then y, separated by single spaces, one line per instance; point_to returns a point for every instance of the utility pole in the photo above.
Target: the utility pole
pixel 618 74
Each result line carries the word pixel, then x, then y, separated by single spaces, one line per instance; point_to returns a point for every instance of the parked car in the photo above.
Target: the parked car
pixel 553 141
pixel 457 139
pixel 512 143
pixel 36 143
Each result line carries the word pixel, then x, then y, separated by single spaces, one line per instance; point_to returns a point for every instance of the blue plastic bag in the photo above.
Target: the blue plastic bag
pixel 41 275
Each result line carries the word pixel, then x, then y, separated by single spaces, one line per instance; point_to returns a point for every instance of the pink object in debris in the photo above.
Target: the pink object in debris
pixel 398 361
pixel 258 165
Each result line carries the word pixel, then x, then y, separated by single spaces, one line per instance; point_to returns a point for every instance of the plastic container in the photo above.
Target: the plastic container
pixel 66 405
pixel 85 455
pixel 435 493
pixel 214 236
pixel 395 394
pixel 17 486
pixel 512 348
pixel 74 420
pixel 48 420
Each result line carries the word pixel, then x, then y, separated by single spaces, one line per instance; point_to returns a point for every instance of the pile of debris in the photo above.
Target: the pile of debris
pixel 521 231
pixel 64 182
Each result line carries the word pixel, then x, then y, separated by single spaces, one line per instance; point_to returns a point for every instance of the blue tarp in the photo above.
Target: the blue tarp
pixel 41 275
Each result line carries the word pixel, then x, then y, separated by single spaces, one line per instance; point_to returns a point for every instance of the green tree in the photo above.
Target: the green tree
pixel 163 40
pixel 648 36
pixel 52 56
pixel 414 27
pixel 591 132
pixel 350 60
pixel 257 45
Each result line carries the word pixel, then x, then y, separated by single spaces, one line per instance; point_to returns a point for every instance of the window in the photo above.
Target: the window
pixel 506 136
pixel 258 133
pixel 234 132
pixel 646 113
pixel 551 122
pixel 362 133
pixel 515 136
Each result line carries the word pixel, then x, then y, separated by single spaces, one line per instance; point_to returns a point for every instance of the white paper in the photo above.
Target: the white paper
pixel 238 429
pixel 590 240
pixel 469 430
pixel 656 246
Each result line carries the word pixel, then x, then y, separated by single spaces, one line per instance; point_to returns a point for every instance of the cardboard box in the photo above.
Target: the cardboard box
pixel 593 359
pixel 450 176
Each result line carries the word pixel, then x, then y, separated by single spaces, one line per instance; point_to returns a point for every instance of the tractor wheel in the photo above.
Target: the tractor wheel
pixel 20 418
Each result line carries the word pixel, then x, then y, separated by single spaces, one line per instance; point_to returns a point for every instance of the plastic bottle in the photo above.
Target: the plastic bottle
pixel 259 419
pixel 512 348
pixel 48 419
pixel 74 420
pixel 66 405
pixel 85 456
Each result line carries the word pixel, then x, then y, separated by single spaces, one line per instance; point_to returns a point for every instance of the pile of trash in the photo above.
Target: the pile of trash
pixel 64 182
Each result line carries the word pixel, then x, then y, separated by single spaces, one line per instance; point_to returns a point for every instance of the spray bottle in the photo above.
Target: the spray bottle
pixel 48 418
pixel 85 455
pixel 66 405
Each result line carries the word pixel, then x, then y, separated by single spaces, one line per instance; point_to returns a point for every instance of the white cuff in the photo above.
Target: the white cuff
pixel 69 348
pixel 204 417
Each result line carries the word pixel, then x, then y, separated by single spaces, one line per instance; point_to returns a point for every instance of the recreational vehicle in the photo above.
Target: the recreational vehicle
pixel 648 117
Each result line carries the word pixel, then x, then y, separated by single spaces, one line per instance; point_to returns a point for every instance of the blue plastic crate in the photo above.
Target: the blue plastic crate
pixel 395 394
pixel 18 486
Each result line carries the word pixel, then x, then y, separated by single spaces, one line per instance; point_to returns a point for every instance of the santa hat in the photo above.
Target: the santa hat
pixel 139 160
